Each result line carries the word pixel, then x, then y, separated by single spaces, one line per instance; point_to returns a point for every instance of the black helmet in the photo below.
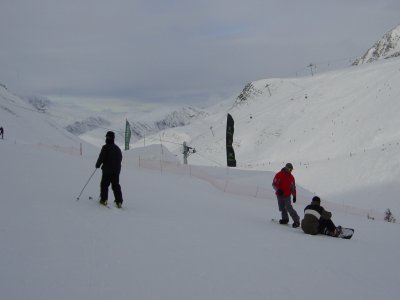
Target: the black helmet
pixel 289 166
pixel 110 135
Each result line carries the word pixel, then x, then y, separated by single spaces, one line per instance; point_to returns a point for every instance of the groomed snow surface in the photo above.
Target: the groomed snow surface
pixel 177 237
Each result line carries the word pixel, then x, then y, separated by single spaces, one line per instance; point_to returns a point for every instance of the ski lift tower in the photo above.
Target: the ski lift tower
pixel 186 151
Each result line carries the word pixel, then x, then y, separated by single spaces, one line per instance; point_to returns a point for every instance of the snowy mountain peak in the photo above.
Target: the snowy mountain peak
pixel 388 46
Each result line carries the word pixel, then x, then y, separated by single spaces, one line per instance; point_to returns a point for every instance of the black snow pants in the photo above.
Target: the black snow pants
pixel 326 227
pixel 113 179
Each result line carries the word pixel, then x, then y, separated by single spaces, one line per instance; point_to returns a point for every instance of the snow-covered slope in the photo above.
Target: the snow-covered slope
pixel 387 47
pixel 340 130
pixel 24 123
pixel 177 237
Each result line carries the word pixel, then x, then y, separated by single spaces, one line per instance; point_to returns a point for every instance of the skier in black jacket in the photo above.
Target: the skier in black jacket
pixel 110 159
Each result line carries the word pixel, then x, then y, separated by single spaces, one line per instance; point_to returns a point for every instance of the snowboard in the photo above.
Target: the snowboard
pixel 346 233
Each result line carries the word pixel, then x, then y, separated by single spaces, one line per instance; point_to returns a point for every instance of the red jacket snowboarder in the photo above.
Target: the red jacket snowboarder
pixel 285 186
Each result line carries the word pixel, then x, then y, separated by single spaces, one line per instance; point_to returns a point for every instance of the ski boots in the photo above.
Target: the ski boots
pixel 103 202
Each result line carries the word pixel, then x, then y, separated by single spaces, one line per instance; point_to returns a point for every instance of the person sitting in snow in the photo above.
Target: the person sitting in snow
pixel 318 220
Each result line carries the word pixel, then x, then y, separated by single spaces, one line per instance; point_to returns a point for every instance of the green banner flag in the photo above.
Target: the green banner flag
pixel 230 153
pixel 127 135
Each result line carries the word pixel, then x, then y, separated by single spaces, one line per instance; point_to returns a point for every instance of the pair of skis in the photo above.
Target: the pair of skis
pixel 106 204
pixel 119 206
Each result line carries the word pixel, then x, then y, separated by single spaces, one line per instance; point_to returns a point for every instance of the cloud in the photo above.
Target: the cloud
pixel 166 50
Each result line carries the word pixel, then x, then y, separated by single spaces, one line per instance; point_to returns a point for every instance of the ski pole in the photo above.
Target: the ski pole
pixel 86 184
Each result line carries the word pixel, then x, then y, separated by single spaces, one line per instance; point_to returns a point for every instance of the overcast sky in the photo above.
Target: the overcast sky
pixel 177 51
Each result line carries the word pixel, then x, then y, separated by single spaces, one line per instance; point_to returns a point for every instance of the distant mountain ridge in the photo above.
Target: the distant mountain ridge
pixel 175 118
pixel 387 47
pixel 90 123
pixel 181 117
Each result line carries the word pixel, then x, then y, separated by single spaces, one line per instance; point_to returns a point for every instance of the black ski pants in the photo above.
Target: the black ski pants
pixel 113 179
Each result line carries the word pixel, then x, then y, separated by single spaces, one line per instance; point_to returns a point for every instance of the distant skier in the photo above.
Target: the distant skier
pixel 110 158
pixel 1 132
pixel 285 186
pixel 318 220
